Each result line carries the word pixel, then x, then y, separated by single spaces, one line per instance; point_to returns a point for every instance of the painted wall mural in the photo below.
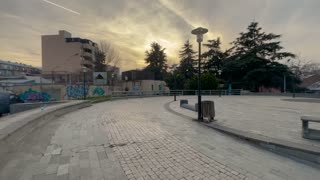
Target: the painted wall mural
pixel 98 91
pixel 77 91
pixel 34 96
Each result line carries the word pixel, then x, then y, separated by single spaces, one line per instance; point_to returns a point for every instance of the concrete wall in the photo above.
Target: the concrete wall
pixel 16 108
pixel 56 92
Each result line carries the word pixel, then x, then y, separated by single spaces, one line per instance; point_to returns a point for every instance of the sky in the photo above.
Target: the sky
pixel 132 25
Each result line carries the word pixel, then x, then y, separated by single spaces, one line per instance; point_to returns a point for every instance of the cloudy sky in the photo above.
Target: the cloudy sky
pixel 131 25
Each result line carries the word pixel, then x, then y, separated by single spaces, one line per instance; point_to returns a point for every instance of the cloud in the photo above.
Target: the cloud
pixel 133 25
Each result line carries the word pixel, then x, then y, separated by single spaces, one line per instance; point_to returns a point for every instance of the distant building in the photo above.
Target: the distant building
pixel 142 81
pixel 64 56
pixel 25 80
pixel 11 69
pixel 311 83
pixel 134 75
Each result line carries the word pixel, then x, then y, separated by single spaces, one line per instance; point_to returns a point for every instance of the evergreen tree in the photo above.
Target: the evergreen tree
pixel 253 60
pixel 214 56
pixel 260 44
pixel 156 59
pixel 187 61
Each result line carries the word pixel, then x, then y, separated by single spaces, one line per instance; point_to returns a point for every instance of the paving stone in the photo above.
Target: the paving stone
pixel 139 138
pixel 63 169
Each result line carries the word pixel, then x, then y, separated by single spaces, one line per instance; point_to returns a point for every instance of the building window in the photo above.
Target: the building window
pixel 87 50
pixel 152 87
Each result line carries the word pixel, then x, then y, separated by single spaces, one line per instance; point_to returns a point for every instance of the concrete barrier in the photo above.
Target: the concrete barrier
pixel 184 104
pixel 20 107
pixel 24 122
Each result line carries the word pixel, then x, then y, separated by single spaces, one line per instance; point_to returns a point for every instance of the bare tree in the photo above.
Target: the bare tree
pixel 310 69
pixel 304 68
pixel 112 56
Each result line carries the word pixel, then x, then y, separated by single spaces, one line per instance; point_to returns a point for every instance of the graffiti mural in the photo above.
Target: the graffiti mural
pixel 98 91
pixel 34 96
pixel 77 91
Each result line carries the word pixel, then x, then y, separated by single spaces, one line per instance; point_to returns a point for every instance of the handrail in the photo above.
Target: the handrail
pixel 173 92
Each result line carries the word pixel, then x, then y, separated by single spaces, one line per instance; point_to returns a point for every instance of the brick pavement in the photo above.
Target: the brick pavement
pixel 139 139
pixel 147 151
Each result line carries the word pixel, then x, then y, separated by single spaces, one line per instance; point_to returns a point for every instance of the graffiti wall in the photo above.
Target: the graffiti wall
pixel 34 96
pixel 98 91
pixel 77 91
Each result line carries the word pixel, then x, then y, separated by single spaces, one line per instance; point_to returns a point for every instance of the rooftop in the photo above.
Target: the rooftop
pixel 16 64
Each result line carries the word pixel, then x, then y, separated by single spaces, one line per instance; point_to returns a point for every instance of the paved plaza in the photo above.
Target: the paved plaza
pixel 272 116
pixel 141 139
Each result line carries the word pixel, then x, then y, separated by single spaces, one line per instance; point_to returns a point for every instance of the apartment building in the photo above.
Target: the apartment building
pixel 13 69
pixel 64 57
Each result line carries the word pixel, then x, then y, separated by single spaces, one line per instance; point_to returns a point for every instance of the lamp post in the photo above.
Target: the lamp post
pixel 84 70
pixel 199 32
pixel 219 72
pixel 126 79
pixel 174 68
pixel 112 77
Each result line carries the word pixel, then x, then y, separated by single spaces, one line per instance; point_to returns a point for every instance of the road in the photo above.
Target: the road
pixel 139 139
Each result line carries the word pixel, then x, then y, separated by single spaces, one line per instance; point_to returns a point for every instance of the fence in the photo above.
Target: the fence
pixel 119 94
pixel 222 92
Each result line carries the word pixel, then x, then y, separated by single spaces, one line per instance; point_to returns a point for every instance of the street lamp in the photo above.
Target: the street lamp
pixel 199 32
pixel 174 68
pixel 84 70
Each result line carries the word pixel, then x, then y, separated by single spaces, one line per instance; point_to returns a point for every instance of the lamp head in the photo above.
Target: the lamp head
pixel 199 32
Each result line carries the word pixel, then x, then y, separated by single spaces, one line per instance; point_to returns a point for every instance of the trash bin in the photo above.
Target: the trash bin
pixel 208 110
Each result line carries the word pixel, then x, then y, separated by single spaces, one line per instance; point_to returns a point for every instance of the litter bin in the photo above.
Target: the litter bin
pixel 208 110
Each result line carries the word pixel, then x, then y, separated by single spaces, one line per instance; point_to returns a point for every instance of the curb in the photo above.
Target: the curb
pixel 283 147
pixel 21 124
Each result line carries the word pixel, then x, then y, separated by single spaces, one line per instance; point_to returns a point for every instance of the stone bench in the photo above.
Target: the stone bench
pixel 306 131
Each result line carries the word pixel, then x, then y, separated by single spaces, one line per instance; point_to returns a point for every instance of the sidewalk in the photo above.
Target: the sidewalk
pixel 273 117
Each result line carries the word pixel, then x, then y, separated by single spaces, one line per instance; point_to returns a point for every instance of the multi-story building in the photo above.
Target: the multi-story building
pixel 11 69
pixel 64 57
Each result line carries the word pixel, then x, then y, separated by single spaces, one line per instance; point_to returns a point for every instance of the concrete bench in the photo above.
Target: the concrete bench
pixel 306 131
pixel 184 104
pixel 208 109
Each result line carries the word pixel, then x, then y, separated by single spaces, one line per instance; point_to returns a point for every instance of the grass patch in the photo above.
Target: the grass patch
pixel 98 99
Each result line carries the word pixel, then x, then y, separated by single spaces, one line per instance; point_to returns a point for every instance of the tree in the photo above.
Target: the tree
pixel 259 44
pixel 100 62
pixel 187 61
pixel 303 68
pixel 169 79
pixel 208 82
pixel 106 55
pixel 214 56
pixel 252 63
pixel 156 59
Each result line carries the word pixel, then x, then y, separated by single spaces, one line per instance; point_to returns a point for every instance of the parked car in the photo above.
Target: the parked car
pixel 4 103
pixel 5 100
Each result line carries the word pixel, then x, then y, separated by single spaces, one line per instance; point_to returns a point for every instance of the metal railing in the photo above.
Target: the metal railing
pixel 127 94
